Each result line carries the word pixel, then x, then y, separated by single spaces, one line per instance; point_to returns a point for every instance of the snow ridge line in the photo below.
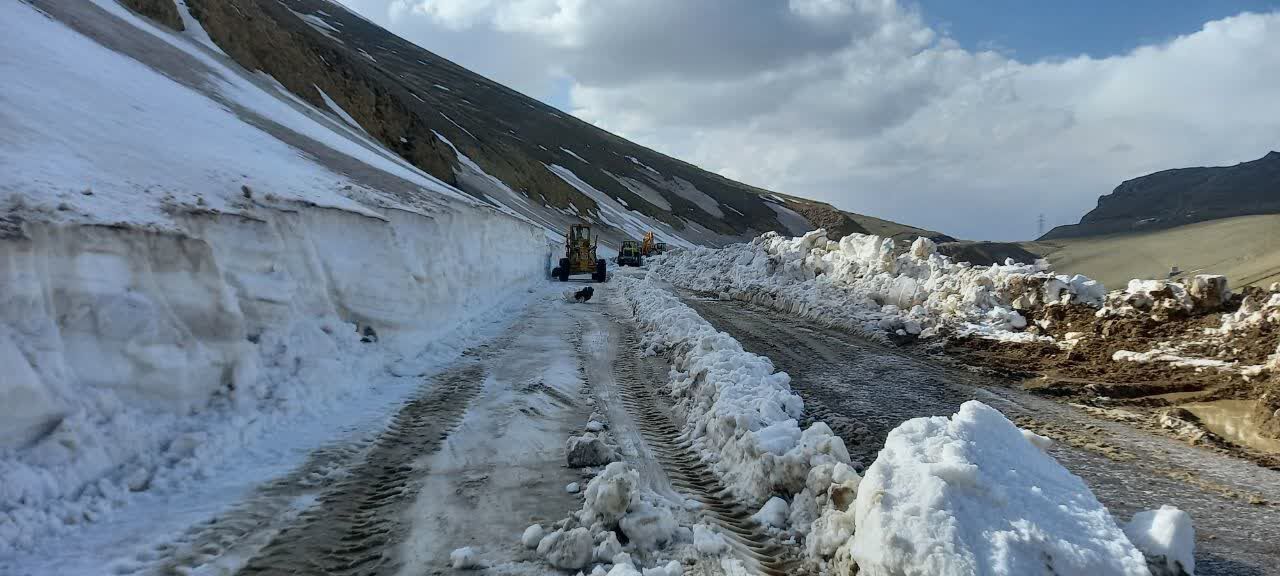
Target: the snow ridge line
pixel 860 283
pixel 741 416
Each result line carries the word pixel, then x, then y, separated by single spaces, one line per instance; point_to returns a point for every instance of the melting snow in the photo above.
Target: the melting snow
pixel 571 153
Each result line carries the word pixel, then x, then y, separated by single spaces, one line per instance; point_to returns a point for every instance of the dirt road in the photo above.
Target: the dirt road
pixel 864 389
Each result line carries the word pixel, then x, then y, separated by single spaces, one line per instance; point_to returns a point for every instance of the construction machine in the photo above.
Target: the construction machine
pixel 580 256
pixel 630 254
pixel 649 247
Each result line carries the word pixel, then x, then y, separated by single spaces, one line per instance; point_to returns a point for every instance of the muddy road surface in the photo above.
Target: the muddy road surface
pixel 864 389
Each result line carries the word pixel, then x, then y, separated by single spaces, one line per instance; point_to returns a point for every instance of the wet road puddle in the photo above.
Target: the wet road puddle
pixel 1230 419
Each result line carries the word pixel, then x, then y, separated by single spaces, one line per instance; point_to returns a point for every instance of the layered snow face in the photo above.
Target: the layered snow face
pixel 166 299
pixel 971 494
pixel 859 282
pixel 740 411
pixel 132 357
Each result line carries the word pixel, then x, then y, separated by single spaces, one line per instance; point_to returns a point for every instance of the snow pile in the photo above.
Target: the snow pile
pixel 615 508
pixel 1167 539
pixel 1252 312
pixel 168 300
pixel 971 495
pixel 738 410
pixel 859 282
pixel 1164 299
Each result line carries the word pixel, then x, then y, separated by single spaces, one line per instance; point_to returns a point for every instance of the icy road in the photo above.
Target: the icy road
pixel 864 389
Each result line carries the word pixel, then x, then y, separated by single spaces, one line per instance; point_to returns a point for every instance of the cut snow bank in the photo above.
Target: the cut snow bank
pixel 166 299
pixel 971 494
pixel 860 283
pixel 125 348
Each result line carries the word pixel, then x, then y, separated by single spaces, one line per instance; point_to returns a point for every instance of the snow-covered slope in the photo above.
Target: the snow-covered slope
pixel 190 259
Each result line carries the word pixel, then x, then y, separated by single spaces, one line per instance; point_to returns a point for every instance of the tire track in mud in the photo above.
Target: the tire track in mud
pixel 340 512
pixel 687 473
pixel 354 526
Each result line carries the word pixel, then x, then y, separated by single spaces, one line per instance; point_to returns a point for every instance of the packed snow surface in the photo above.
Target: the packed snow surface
pixel 971 495
pixel 860 282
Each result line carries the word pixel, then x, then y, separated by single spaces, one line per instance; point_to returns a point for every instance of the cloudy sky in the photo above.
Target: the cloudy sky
pixel 967 117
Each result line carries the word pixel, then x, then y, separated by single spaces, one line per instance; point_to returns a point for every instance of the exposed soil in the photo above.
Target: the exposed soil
pixel 162 11
pixel 1087 374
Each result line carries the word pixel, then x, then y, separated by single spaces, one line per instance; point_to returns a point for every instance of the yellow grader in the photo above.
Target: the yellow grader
pixel 580 256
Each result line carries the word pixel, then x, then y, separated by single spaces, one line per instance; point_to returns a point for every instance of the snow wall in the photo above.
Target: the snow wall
pixel 114 338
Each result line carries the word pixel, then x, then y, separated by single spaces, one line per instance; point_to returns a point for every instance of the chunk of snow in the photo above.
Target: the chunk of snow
pixel 609 494
pixel 465 559
pixel 707 541
pixel 773 514
pixel 970 495
pixel 532 536
pixel 1167 539
pixel 588 450
pixel 569 550
pixel 571 488
pixel 648 526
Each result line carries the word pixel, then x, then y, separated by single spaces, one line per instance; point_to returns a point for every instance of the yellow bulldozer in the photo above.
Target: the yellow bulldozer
pixel 580 256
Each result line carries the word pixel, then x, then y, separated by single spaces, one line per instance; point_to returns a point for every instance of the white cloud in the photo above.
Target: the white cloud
pixel 860 103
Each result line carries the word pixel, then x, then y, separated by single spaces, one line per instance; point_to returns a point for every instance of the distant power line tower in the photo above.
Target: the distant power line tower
pixel 1040 225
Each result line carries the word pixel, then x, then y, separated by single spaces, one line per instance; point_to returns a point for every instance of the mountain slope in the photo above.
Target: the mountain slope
pixel 1182 196
pixel 486 139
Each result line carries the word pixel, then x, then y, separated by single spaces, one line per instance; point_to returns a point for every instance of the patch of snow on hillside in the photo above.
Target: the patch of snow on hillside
pixel 336 109
pixel 459 126
pixel 614 214
pixel 319 25
pixel 234 88
pixel 62 142
pixel 685 189
pixel 637 162
pixel 193 29
pixel 790 219
pixel 366 55
pixel 971 495
pixel 642 190
pixel 571 153
pixel 445 88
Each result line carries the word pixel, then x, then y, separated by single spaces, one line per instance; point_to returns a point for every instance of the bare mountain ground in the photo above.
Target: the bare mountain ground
pixel 1246 249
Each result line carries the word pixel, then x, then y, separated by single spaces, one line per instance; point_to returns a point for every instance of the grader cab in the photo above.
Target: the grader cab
pixel 629 254
pixel 580 256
